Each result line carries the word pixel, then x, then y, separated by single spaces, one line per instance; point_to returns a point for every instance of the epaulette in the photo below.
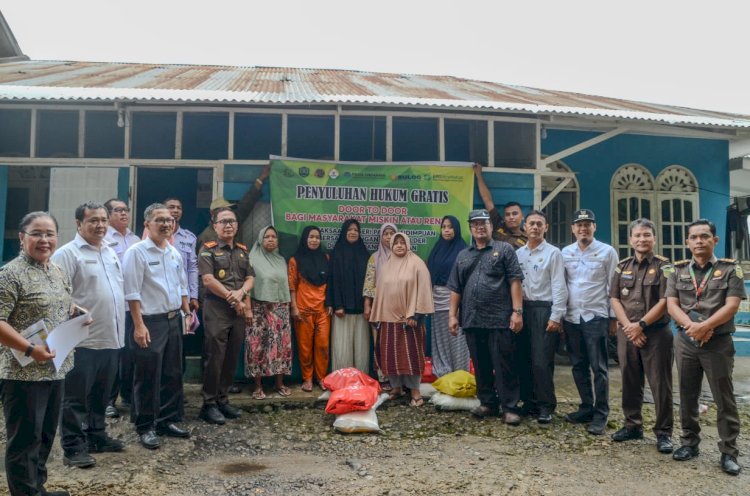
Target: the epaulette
pixel 210 244
pixel 626 259
pixel 681 262
pixel 244 247
pixel 661 257
pixel 728 260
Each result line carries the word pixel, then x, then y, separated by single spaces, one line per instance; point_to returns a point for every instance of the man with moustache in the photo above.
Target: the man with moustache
pixel 96 279
pixel 589 266
pixel 486 284
pixel 508 228
pixel 644 337
pixel 545 297
pixel 119 238
pixel 156 290
pixel 703 296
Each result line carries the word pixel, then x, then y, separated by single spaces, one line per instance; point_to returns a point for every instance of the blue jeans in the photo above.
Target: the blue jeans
pixel 587 347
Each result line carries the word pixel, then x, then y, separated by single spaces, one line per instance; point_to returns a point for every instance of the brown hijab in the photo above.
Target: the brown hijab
pixel 404 287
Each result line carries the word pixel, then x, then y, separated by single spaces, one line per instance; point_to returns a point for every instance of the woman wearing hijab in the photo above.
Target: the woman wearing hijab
pixel 376 261
pixel 449 353
pixel 268 341
pixel 350 337
pixel 403 300
pixel 308 275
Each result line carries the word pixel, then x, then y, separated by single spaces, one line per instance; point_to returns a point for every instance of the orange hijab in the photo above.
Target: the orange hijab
pixel 404 287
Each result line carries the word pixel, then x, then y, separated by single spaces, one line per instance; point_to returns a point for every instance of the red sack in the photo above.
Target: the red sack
pixel 354 398
pixel 342 378
pixel 427 375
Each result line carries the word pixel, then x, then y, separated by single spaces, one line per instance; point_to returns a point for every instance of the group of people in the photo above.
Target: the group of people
pixel 504 302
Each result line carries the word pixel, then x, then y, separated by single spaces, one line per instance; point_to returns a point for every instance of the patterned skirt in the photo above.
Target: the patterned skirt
pixel 399 349
pixel 268 341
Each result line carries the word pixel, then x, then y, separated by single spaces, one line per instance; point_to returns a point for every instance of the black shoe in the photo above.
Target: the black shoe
pixel 684 453
pixel 212 415
pixel 626 434
pixel 229 411
pixel 80 459
pixel 105 444
pixel 234 389
pixel 544 418
pixel 580 417
pixel 149 440
pixel 111 412
pixel 729 464
pixel 597 428
pixel 664 444
pixel 54 493
pixel 482 411
pixel 171 430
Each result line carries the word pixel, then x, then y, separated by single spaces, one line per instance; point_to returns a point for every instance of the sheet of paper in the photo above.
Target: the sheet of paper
pixel 36 334
pixel 65 337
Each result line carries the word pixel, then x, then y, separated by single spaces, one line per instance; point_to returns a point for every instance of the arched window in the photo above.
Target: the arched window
pixel 677 194
pixel 632 197
pixel 670 201
pixel 560 209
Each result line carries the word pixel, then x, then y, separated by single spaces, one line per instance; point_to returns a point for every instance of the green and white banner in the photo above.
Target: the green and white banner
pixel 414 196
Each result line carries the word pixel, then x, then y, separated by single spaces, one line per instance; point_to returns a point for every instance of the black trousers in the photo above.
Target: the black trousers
pixel 716 359
pixel 123 383
pixel 492 351
pixel 222 343
pixel 157 374
pixel 87 390
pixel 536 357
pixel 587 347
pixel 654 362
pixel 32 412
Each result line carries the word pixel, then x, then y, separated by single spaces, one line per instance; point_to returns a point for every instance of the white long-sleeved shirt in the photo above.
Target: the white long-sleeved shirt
pixel 97 281
pixel 155 277
pixel 544 277
pixel 588 273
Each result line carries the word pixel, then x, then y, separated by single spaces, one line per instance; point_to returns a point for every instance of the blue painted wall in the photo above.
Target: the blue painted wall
pixel 3 201
pixel 706 159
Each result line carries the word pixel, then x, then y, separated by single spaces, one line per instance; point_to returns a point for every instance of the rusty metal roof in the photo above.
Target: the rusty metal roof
pixel 156 83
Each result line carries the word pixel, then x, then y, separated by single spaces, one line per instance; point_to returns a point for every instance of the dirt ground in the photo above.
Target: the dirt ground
pixel 287 446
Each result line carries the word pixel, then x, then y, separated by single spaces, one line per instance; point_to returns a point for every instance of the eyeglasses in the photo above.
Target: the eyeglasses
pixel 40 235
pixel 226 222
pixel 163 220
pixel 121 210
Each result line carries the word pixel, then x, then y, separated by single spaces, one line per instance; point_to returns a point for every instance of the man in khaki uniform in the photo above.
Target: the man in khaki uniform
pixel 228 277
pixel 644 337
pixel 703 295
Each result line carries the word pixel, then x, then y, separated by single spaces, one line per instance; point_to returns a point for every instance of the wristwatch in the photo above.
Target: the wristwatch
pixel 519 311
pixel 643 324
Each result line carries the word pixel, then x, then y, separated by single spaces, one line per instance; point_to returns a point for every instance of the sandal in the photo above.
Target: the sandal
pixel 322 387
pixel 283 391
pixel 396 394
pixel 416 402
pixel 258 394
pixel 385 386
pixel 307 386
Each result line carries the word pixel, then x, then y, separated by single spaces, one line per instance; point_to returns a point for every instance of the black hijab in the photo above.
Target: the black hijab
pixel 311 264
pixel 347 273
pixel 444 253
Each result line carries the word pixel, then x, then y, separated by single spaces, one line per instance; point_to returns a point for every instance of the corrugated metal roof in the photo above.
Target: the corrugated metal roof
pixel 104 81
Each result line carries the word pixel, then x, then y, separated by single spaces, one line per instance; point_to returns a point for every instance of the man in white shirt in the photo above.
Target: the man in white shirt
pixel 545 297
pixel 156 290
pixel 589 267
pixel 96 279
pixel 119 237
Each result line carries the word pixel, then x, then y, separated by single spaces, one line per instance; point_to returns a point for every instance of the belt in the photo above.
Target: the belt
pixel 162 316
pixel 532 303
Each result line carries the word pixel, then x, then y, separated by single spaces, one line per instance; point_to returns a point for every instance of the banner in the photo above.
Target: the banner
pixel 415 197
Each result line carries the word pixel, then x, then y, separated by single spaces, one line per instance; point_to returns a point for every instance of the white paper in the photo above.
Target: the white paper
pixel 65 337
pixel 36 334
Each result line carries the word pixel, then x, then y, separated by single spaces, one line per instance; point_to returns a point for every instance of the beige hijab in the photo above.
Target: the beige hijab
pixel 404 287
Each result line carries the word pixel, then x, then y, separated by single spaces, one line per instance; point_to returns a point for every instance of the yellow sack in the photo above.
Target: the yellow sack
pixel 460 384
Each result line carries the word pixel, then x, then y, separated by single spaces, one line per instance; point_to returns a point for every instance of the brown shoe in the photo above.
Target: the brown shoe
pixel 482 411
pixel 511 418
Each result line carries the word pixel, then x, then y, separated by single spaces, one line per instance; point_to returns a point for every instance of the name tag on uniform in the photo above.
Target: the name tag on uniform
pixel 90 261
pixel 626 276
pixel 684 277
pixel 154 263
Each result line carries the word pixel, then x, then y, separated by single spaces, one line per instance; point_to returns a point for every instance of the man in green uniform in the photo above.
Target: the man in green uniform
pixel 644 338
pixel 703 295
pixel 228 277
